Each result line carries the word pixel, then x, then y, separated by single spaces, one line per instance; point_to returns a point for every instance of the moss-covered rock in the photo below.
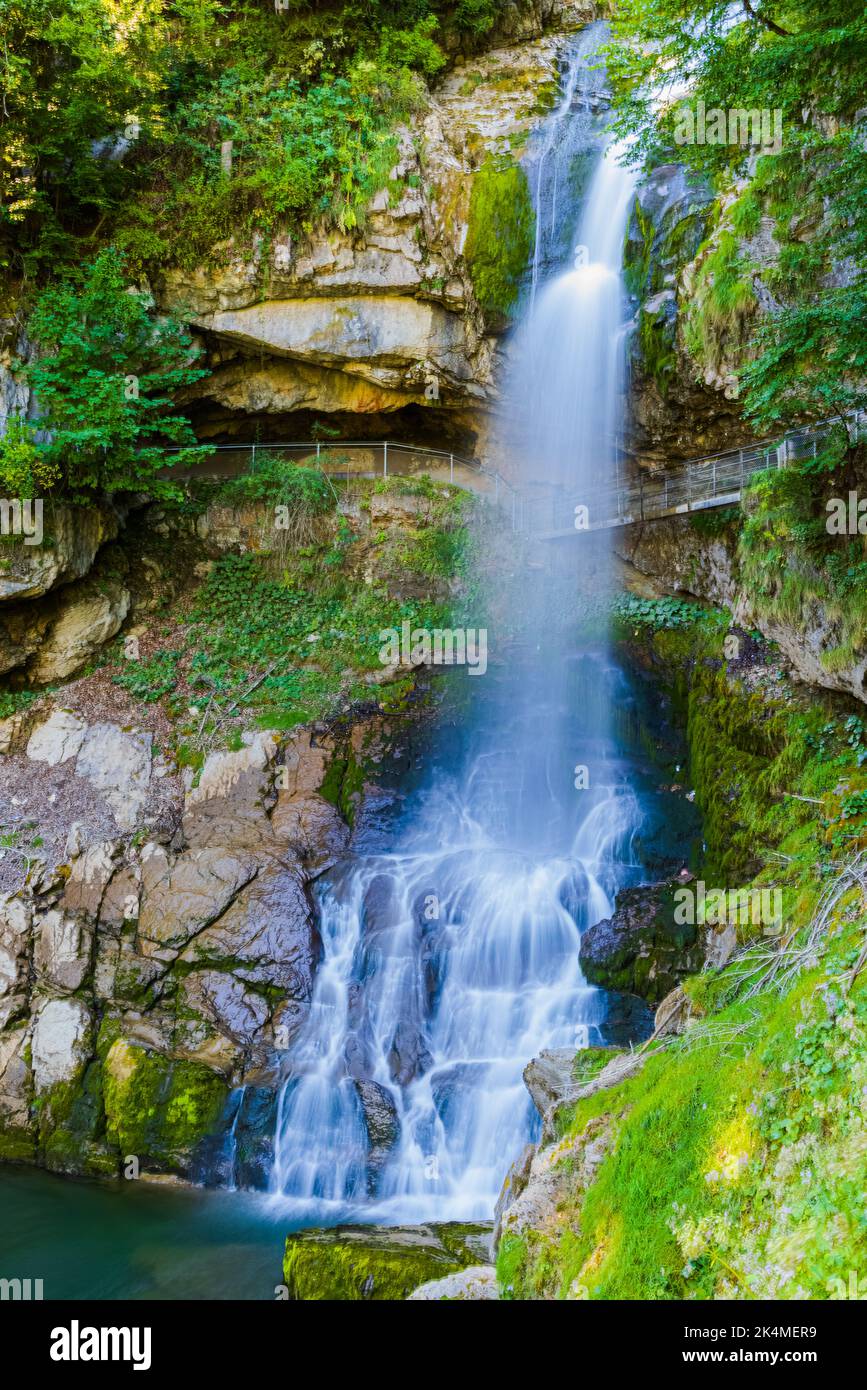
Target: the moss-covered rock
pixel 641 948
pixel 351 1263
pixel 159 1109
pixel 499 236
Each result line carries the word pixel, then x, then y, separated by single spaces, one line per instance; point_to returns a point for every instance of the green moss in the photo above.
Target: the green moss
pixel 735 1160
pixel 17 1146
pixel 499 234
pixel 720 305
pixel 157 1108
pixel 350 1263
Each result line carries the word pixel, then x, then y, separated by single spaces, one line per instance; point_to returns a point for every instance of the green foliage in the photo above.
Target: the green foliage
pixel 15 701
pixel 25 469
pixel 246 625
pixel 659 613
pixel 787 558
pixel 807 63
pixel 279 481
pixel 499 234
pixel 150 680
pixel 104 379
pixel 720 304
pixel 114 114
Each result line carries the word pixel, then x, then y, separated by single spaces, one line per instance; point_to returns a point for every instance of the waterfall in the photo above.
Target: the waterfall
pixel 451 960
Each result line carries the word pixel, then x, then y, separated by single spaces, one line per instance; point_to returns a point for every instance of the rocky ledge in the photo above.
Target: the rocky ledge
pixel 357 1263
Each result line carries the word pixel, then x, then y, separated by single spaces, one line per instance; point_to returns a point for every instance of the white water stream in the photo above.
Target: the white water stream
pixel 453 959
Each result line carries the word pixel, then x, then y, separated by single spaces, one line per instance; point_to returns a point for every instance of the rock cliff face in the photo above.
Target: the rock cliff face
pixel 164 954
pixel 680 555
pixel 379 329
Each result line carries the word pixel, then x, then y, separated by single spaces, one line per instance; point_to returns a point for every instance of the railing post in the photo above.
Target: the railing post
pixel 451 468
pixel 318 446
pixel 385 458
pixel 253 462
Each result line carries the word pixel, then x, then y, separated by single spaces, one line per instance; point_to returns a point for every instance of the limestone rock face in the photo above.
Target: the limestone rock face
pixel 180 900
pixel 477 1284
pixel 377 338
pixel 371 321
pixel 73 537
pixel 681 558
pixel 15 920
pixel 59 1043
pixel 58 738
pixel 62 951
pixel 117 764
pixel 55 637
pixel 548 1077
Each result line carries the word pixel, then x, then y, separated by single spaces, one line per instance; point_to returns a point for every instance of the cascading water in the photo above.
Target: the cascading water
pixel 453 959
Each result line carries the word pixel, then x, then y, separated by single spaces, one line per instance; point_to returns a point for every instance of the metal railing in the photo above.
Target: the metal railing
pixel 348 459
pixel 717 480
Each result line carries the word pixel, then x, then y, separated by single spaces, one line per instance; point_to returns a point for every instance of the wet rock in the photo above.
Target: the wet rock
pixel 628 1020
pixel 228 806
pixel 640 948
pixel 358 1263
pixel 380 907
pixel 182 898
pixel 476 1284
pixel 159 1108
pixel 254 1137
pixel 407 1055
pixel 228 1003
pixel 383 1127
pixel 267 933
pixel 549 1078
pixel 313 828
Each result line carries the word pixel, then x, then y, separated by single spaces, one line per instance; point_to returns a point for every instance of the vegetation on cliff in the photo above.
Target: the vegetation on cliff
pixel 729 1165
pixel 115 118
pixel 499 234
pixel 807 67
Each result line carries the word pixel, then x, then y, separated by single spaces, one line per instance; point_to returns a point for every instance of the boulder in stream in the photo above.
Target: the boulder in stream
pixel 358 1263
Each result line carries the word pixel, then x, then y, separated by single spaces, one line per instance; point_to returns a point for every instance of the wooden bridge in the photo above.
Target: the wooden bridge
pixel 544 512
